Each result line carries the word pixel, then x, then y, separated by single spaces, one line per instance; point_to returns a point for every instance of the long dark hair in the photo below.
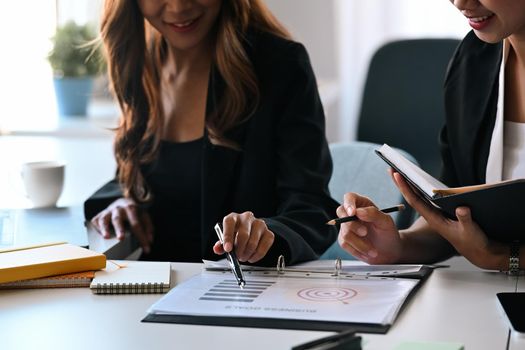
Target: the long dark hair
pixel 135 53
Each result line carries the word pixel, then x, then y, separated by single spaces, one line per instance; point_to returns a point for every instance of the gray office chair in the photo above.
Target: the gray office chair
pixel 358 169
pixel 402 101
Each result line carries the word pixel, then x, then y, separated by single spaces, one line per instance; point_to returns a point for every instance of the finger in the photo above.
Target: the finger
pixel 349 203
pixel 464 219
pixel 137 227
pixel 432 216
pixel 264 246
pixel 257 230
pixel 147 226
pixel 374 216
pixel 353 201
pixel 229 227
pixel 243 236
pixel 104 224
pixel 217 248
pixel 134 221
pixel 360 245
pixel 94 223
pixel 117 219
pixel 350 249
pixel 341 212
pixel 354 226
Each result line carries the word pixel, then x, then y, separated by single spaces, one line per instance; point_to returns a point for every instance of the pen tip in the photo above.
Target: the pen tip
pixel 331 222
pixel 401 207
pixel 242 284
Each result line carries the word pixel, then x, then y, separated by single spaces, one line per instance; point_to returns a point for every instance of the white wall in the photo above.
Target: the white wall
pixel 341 36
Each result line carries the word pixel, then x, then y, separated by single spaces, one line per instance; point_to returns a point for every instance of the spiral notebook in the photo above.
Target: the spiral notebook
pixel 70 280
pixel 132 277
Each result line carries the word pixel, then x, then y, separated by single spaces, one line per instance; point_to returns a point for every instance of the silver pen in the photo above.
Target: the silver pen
pixel 232 259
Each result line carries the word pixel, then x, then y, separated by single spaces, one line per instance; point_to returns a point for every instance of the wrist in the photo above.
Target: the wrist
pixel 505 257
pixel 514 259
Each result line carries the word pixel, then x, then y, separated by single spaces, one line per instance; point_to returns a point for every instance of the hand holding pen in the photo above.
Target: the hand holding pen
pixel 251 237
pixel 370 235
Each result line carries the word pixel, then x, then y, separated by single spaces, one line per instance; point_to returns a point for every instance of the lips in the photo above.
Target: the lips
pixel 480 22
pixel 185 25
pixel 480 18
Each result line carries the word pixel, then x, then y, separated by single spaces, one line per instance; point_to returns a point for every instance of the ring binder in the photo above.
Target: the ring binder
pixel 323 267
pixel 319 295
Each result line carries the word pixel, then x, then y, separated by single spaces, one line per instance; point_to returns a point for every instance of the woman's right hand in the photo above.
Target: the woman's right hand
pixel 121 214
pixel 373 238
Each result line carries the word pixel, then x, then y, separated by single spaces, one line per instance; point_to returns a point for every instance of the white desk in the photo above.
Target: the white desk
pixel 455 305
pixel 89 164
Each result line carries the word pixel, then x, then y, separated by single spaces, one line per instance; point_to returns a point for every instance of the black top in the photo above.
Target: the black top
pixel 471 97
pixel 282 167
pixel 174 179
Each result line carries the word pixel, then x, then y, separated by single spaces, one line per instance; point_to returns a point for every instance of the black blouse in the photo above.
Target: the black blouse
pixel 174 179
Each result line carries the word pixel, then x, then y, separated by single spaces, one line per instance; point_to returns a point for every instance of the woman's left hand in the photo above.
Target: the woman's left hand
pixel 250 236
pixel 465 235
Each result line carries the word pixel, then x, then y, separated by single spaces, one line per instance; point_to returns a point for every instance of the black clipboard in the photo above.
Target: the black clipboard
pixel 295 324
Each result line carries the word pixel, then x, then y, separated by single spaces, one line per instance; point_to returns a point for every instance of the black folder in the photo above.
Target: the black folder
pixel 496 208
pixel 291 323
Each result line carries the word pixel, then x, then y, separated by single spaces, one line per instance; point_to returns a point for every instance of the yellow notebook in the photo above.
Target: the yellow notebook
pixel 132 277
pixel 47 260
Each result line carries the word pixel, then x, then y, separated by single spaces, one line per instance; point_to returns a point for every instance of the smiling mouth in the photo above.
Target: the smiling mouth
pixel 186 24
pixel 480 19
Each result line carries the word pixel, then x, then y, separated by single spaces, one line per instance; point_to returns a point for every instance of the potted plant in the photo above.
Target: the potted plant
pixel 75 63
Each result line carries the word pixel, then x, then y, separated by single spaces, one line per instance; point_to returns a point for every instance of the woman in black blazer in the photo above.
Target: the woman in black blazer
pixel 483 141
pixel 222 122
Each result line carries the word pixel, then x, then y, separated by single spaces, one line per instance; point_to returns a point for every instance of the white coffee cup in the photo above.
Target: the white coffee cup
pixel 43 182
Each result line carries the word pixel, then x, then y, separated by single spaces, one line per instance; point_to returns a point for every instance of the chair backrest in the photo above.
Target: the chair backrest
pixel 402 102
pixel 358 169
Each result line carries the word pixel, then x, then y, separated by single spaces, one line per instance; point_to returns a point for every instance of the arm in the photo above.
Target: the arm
pixel 304 167
pixel 108 211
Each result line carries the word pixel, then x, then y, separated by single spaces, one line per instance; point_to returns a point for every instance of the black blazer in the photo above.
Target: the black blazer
pixel 471 96
pixel 282 171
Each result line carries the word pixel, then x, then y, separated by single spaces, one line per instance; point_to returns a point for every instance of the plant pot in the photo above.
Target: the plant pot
pixel 73 95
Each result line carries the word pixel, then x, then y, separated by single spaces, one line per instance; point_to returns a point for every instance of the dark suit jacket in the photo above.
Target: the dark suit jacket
pixel 471 96
pixel 282 171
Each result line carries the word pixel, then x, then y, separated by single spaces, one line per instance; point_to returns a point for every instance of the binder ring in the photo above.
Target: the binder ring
pixel 280 264
pixel 338 267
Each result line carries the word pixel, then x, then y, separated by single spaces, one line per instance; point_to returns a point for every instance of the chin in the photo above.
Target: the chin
pixel 489 38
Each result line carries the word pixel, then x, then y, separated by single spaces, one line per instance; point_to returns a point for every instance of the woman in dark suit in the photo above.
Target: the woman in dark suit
pixel 221 122
pixel 483 141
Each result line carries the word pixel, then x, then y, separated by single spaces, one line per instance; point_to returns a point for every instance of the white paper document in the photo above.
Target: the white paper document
pixel 332 299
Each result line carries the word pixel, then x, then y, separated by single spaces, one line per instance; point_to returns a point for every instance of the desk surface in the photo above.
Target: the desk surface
pixel 89 164
pixel 454 305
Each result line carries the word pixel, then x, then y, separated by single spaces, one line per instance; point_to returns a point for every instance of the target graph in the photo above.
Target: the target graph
pixel 327 294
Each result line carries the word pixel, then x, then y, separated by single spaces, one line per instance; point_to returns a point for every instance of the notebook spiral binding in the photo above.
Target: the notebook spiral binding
pixel 130 288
